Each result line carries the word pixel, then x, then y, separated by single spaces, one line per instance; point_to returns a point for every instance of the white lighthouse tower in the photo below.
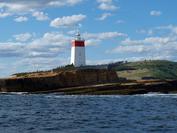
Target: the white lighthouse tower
pixel 78 51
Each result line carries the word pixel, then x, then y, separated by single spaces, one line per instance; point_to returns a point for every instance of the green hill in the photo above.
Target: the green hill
pixel 151 69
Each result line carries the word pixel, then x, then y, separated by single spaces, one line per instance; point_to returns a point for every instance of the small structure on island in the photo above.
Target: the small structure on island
pixel 78 51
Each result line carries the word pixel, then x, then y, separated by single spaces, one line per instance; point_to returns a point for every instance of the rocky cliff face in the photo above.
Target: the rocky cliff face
pixel 62 79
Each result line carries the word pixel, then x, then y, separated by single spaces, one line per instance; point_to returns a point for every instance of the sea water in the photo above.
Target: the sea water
pixel 52 113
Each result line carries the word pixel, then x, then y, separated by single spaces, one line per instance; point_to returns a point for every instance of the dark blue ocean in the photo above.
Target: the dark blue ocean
pixel 52 113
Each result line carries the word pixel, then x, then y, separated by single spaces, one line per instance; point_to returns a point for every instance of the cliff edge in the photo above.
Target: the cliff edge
pixel 62 79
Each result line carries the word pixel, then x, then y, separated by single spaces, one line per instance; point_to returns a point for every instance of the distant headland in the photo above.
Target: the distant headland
pixel 120 78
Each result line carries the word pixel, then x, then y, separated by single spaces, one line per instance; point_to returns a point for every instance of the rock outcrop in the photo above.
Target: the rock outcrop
pixel 63 79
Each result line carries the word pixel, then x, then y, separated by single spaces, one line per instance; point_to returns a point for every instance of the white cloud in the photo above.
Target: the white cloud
pixel 18 6
pixel 170 27
pixel 21 6
pixel 155 13
pixel 104 16
pixel 143 31
pixel 41 16
pixel 128 41
pixel 26 7
pixel 104 1
pixel 64 2
pixel 107 5
pixel 22 37
pixel 52 38
pixel 104 6
pixel 11 49
pixel 103 35
pixel 92 42
pixel 93 39
pixel 151 51
pixel 4 14
pixel 21 19
pixel 148 40
pixel 49 45
pixel 34 64
pixel 67 21
pixel 154 47
pixel 159 30
pixel 158 40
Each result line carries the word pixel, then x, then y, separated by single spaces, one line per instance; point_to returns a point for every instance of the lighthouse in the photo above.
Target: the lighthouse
pixel 78 51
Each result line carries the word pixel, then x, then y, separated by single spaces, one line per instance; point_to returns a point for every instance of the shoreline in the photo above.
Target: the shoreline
pixel 164 87
pixel 84 82
pixel 128 88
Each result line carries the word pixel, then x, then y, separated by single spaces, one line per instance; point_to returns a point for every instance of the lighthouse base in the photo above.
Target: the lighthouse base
pixel 78 56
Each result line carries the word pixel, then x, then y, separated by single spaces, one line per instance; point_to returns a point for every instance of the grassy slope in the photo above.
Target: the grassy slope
pixel 159 69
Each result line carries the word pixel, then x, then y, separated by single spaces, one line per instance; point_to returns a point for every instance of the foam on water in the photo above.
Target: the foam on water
pixel 158 95
pixel 14 93
pixel 83 96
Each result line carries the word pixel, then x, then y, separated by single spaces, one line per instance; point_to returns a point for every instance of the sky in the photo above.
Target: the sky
pixel 36 34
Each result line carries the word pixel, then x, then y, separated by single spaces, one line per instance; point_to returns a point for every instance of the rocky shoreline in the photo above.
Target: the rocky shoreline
pixel 85 82
pixel 131 88
pixel 48 81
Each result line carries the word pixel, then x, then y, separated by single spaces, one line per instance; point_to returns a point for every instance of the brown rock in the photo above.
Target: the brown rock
pixel 68 78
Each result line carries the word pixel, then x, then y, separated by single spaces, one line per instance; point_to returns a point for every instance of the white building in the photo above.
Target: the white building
pixel 78 51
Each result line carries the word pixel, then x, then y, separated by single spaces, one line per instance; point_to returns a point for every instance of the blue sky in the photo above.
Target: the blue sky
pixel 36 34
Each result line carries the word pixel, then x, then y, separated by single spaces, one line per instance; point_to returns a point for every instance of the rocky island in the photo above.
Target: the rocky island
pixel 121 78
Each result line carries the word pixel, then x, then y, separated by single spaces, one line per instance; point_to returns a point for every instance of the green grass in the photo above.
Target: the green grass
pixel 157 69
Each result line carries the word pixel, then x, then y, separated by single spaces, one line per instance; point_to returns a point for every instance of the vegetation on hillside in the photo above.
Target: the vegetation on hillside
pixel 151 69
pixel 39 73
pixel 62 68
pixel 148 69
